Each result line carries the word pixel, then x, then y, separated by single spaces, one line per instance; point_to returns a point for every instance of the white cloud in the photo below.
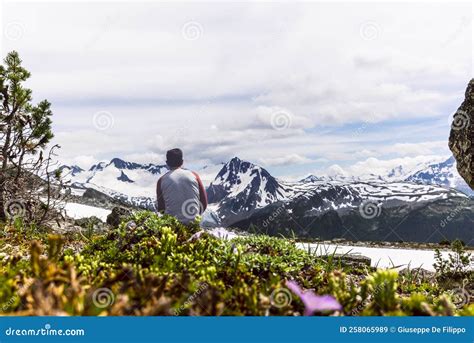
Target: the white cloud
pixel 274 117
pixel 285 160
pixel 82 161
pixel 416 149
pixel 216 97
pixel 335 170
pixel 383 167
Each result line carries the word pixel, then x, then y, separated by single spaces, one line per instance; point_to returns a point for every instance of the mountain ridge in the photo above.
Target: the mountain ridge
pixel 243 194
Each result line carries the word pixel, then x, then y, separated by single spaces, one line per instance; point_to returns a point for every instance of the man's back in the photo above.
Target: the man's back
pixel 181 194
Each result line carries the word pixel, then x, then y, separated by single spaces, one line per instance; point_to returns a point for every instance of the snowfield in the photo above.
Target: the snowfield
pixel 380 257
pixel 78 211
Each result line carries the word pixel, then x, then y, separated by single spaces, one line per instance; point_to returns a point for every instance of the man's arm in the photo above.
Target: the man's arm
pixel 202 192
pixel 160 201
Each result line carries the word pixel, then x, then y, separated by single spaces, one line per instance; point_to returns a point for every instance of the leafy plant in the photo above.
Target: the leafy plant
pixel 456 266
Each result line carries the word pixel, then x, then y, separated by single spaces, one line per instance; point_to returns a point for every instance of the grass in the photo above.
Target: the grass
pixel 157 266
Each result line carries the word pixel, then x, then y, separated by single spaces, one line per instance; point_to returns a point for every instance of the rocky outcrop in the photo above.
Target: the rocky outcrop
pixel 461 139
pixel 92 194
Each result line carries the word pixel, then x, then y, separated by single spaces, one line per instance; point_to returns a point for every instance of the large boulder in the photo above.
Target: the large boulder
pixel 461 139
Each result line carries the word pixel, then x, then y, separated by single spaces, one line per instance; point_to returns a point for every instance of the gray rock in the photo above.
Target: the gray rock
pixel 352 260
pixel 418 274
pixel 118 215
pixel 88 222
pixel 339 240
pixel 461 139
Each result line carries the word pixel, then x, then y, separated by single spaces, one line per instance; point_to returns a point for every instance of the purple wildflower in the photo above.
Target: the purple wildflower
pixel 196 236
pixel 313 302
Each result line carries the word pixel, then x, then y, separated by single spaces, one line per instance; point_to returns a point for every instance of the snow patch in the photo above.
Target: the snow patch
pixel 78 211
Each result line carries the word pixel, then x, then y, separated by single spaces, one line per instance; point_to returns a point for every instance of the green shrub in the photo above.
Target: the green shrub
pixel 457 266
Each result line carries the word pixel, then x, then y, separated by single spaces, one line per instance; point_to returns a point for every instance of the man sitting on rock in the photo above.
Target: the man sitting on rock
pixel 180 192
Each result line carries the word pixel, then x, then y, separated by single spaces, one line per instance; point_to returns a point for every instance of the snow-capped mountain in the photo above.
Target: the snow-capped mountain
pixel 129 182
pixel 327 208
pixel 239 178
pixel 404 171
pixel 242 188
pixel 444 174
pixel 70 170
pixel 247 196
pixel 244 194
pixel 312 178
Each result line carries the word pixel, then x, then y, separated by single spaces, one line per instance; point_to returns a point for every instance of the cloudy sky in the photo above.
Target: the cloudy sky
pixel 296 87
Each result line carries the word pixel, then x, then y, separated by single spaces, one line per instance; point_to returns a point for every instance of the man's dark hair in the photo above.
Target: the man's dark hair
pixel 174 158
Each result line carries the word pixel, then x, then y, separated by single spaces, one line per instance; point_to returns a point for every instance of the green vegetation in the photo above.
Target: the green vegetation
pixel 25 132
pixel 154 265
pixel 456 266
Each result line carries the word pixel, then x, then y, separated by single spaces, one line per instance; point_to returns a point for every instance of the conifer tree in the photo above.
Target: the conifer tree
pixel 25 131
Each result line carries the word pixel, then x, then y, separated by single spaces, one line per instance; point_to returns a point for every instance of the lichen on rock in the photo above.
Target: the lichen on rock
pixel 461 139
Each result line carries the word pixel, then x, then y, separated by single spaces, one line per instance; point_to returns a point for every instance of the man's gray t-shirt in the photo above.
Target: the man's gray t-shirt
pixel 180 193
